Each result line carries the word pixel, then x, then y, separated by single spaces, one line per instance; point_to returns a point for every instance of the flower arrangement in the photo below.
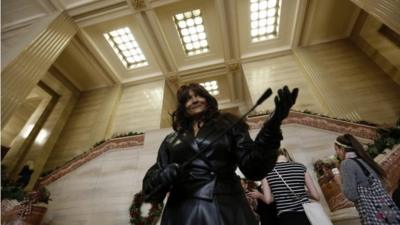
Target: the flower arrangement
pixel 41 195
pixel 20 206
pixel 9 189
pixel 267 112
pixel 326 169
pixel 387 138
pixel 135 211
pixel 323 167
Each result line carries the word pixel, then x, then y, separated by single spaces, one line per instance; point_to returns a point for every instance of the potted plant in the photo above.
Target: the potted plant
pixel 387 138
pixel 18 205
pixel 34 207
pixel 326 170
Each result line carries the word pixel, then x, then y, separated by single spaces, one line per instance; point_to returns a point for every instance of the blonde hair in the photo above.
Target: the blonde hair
pixel 284 152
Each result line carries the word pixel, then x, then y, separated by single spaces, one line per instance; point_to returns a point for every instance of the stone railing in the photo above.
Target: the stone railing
pixel 389 161
pixel 115 143
pixel 321 122
pixel 255 122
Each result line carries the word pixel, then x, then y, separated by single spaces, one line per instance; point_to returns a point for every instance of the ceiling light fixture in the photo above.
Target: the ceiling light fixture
pixel 264 16
pixel 127 49
pixel 211 87
pixel 191 32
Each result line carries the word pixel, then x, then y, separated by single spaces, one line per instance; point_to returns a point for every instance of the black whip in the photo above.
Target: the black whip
pixel 260 100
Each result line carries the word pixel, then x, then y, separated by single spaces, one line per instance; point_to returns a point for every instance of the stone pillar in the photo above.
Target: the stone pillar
pixel 22 74
pixel 104 120
pixel 387 11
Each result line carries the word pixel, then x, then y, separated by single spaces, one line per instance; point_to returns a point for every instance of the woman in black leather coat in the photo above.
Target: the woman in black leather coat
pixel 207 191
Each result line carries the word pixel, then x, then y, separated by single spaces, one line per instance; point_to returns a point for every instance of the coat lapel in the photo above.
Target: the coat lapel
pixel 204 137
pixel 189 140
pixel 204 133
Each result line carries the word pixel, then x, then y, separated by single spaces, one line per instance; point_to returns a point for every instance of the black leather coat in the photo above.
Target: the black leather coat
pixel 208 192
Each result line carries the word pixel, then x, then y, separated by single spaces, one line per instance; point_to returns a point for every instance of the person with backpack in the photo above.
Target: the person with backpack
pixel 362 182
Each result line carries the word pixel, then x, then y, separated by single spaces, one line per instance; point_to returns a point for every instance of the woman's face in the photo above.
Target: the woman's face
pixel 195 105
pixel 340 153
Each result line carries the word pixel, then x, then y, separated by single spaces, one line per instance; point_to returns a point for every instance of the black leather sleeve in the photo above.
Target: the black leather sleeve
pixel 256 158
pixel 152 178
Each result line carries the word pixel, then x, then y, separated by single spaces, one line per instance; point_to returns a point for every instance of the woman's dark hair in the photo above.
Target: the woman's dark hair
pixel 350 144
pixel 180 119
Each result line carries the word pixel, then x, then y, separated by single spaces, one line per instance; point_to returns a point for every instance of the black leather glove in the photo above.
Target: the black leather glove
pixel 283 103
pixel 167 176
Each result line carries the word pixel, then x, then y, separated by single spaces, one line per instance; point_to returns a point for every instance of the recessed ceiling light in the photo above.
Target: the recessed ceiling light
pixel 211 87
pixel 191 32
pixel 264 16
pixel 127 49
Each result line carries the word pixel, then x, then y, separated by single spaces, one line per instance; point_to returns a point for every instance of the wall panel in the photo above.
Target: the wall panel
pixel 139 109
pixel 384 52
pixel 351 84
pixel 76 137
pixel 275 73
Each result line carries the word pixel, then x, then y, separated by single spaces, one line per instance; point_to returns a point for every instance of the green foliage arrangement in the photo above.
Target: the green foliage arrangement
pixel 363 122
pixel 42 195
pixel 12 191
pixel 387 138
pixel 9 189
pixel 135 211
pixel 98 143
pixel 130 133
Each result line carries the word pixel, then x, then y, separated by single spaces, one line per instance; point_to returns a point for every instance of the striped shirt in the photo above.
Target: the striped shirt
pixel 293 174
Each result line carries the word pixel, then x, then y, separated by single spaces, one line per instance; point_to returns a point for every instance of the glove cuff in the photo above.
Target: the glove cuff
pixel 273 125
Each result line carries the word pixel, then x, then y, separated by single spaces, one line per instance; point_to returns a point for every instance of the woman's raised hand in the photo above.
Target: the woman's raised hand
pixel 284 101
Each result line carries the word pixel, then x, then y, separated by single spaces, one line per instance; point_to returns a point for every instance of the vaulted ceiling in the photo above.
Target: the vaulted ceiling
pixel 90 62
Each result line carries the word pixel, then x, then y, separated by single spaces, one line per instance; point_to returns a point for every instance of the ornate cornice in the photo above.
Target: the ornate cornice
pixel 233 67
pixel 138 4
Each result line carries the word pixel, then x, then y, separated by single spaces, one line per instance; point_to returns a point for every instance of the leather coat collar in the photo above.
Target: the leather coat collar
pixel 201 139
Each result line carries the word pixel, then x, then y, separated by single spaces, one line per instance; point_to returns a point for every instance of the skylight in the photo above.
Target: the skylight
pixel 191 32
pixel 264 16
pixel 211 87
pixel 127 49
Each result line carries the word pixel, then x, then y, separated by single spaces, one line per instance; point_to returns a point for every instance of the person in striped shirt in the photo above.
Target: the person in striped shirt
pixel 288 200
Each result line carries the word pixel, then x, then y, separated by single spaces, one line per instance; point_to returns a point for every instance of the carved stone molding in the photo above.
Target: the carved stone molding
pixel 233 67
pixel 173 80
pixel 138 4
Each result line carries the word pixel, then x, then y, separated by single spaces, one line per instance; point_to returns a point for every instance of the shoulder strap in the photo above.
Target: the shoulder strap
pixel 365 170
pixel 294 193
